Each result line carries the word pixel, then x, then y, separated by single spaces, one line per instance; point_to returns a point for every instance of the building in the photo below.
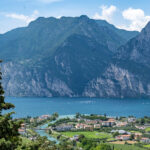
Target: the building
pixel 88 127
pixel 147 125
pixel 122 132
pixel 132 119
pixel 21 131
pixel 121 124
pixel 109 123
pixel 32 120
pixel 106 124
pixel 74 138
pixel 137 135
pixel 145 140
pixel 91 122
pixel 123 137
pixel 45 116
pixel 84 126
pixel 23 125
pixel 79 126
pixel 64 128
pixel 140 127
pixel 97 126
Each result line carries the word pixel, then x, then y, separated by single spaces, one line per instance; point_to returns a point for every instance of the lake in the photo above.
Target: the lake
pixel 69 106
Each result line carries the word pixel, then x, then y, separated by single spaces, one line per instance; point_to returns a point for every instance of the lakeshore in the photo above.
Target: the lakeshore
pixel 118 123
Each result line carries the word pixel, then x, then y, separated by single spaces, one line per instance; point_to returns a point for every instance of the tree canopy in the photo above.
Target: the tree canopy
pixel 9 136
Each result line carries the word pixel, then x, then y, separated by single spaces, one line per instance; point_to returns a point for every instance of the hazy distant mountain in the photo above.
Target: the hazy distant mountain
pixel 72 57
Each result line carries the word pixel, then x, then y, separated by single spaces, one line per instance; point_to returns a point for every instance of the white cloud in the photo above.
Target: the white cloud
pixel 49 1
pixel 58 17
pixel 137 18
pixel 107 13
pixel 22 17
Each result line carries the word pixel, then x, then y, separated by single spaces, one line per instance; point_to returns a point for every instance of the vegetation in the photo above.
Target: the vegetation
pixel 9 136
pixel 61 121
pixel 87 144
pixel 89 134
pixel 93 117
pixel 126 147
pixel 147 129
pixel 84 44
pixel 147 146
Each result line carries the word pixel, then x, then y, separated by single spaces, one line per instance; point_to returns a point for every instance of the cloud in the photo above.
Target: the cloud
pixel 58 17
pixel 137 19
pixel 49 1
pixel 22 17
pixel 107 13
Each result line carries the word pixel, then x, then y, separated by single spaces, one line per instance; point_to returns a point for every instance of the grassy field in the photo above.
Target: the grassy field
pixel 147 146
pixel 88 134
pixel 135 132
pixel 147 129
pixel 123 142
pixel 126 147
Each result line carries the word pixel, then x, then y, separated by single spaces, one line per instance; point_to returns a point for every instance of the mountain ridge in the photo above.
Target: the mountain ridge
pixel 44 34
pixel 88 61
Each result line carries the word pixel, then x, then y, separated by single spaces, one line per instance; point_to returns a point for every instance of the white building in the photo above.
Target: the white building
pixel 145 140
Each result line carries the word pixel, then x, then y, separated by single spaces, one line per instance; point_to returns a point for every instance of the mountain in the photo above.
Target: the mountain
pixel 71 56
pixel 137 49
pixel 126 35
pixel 44 35
pixel 128 71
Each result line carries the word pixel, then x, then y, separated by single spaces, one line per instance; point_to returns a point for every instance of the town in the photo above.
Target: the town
pixel 115 131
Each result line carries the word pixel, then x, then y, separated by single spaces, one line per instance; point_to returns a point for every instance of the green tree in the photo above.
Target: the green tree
pixel 142 121
pixel 115 134
pixel 55 116
pixel 9 136
pixel 103 147
pixel 132 137
pixel 78 115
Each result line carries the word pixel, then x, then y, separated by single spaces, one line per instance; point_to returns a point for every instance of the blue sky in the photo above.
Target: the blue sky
pixel 127 14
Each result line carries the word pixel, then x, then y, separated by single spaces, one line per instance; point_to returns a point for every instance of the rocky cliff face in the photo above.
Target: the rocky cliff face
pixel 81 65
pixel 128 73
pixel 117 83
pixel 137 49
pixel 21 82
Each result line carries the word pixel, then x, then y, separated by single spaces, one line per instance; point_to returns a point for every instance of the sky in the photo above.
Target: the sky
pixel 125 14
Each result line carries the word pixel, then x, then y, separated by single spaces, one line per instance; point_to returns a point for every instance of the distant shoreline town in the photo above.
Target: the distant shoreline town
pixel 111 130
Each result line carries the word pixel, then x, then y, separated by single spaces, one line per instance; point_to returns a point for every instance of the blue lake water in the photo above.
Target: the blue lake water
pixel 68 106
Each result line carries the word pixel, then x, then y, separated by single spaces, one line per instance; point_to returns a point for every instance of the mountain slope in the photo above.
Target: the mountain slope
pixel 44 35
pixel 67 57
pixel 126 35
pixel 66 73
pixel 128 73
pixel 137 49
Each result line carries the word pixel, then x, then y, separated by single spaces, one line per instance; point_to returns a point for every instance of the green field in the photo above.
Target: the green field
pixel 126 147
pixel 147 129
pixel 89 134
pixel 147 146
pixel 135 132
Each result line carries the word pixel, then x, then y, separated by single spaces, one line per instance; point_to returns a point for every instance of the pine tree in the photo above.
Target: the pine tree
pixel 9 136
